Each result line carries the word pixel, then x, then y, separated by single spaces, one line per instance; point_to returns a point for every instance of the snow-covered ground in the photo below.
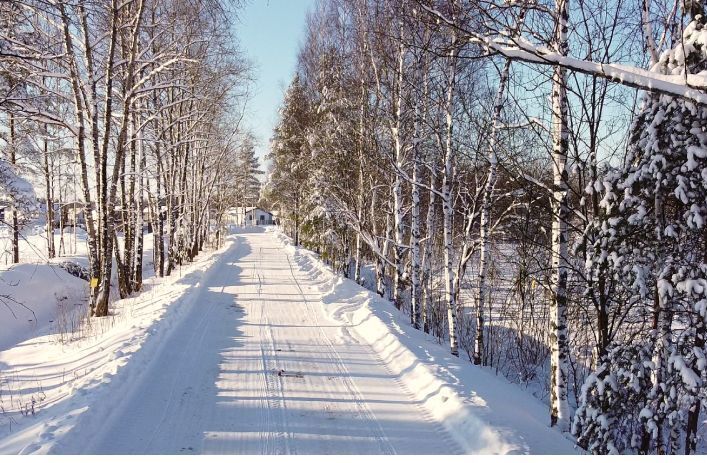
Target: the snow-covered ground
pixel 483 412
pixel 70 244
pixel 39 296
pixel 259 348
pixel 52 355
pixel 38 299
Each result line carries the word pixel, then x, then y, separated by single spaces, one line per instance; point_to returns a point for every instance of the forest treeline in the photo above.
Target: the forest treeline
pixel 129 115
pixel 527 181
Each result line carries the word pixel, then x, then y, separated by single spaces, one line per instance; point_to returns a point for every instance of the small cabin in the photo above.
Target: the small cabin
pixel 257 216
pixel 5 210
pixel 71 215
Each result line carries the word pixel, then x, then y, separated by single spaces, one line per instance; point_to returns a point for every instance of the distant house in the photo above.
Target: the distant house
pixel 72 215
pixel 5 211
pixel 251 216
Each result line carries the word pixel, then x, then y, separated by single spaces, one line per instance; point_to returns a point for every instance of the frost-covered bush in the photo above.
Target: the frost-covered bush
pixel 608 418
pixel 75 269
pixel 15 189
pixel 653 238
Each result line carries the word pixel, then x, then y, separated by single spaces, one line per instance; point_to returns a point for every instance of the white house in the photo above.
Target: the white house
pixel 251 216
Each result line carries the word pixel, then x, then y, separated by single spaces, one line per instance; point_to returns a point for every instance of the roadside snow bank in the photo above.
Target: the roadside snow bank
pixel 483 412
pixel 34 298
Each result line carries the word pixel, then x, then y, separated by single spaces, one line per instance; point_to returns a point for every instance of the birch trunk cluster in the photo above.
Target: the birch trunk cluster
pixel 128 107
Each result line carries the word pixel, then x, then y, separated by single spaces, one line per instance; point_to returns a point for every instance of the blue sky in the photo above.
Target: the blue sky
pixel 270 33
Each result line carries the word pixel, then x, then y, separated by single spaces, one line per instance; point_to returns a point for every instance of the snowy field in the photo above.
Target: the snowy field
pixel 258 348
pixel 39 296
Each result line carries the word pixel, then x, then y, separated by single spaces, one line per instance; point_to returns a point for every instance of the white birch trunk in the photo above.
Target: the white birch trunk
pixel 380 265
pixel 648 32
pixel 49 192
pixel 398 181
pixel 447 206
pixel 361 152
pixel 415 233
pixel 15 225
pixel 79 117
pixel 359 241
pixel 416 306
pixel 359 212
pixel 427 257
pixel 559 366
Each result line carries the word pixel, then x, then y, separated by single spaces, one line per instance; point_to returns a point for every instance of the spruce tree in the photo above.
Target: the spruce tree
pixel 653 237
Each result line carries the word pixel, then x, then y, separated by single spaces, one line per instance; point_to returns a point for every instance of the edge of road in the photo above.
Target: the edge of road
pixel 85 411
pixel 438 381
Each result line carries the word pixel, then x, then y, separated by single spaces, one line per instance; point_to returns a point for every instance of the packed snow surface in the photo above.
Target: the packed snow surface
pixel 260 349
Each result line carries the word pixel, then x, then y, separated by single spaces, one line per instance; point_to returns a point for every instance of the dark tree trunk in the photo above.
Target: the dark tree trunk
pixel 15 224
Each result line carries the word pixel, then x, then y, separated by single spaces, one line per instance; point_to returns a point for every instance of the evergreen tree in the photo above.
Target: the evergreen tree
pixel 290 159
pixel 247 172
pixel 653 237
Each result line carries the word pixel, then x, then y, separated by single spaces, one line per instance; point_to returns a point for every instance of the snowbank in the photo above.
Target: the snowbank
pixel 55 385
pixel 34 299
pixel 485 413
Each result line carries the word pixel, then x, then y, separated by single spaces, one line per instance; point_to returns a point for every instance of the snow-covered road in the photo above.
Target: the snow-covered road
pixel 256 366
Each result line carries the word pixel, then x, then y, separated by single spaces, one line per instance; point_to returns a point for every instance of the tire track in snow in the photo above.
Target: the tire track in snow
pixel 363 411
pixel 278 438
pixel 175 382
pixel 448 440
